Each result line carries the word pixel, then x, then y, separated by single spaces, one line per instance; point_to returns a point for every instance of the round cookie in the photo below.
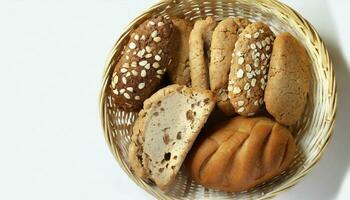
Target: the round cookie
pixel 249 68
pixel 288 80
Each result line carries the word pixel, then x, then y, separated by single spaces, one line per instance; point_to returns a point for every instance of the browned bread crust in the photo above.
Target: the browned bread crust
pixel 241 153
pixel 144 60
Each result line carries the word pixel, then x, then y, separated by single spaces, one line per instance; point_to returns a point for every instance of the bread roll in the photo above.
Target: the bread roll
pixel 288 81
pixel 200 41
pixel 145 58
pixel 241 153
pixel 249 68
pixel 165 130
pixel 179 71
pixel 223 42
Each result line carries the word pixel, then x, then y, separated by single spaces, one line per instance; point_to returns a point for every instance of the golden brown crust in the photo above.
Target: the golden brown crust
pixel 241 153
pixel 288 80
pixel 250 63
pixel 144 61
pixel 179 71
pixel 200 39
pixel 223 42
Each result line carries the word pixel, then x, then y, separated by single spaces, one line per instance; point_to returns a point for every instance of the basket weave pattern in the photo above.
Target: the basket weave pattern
pixel 312 132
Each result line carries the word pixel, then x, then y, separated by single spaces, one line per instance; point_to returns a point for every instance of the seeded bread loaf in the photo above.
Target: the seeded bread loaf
pixel 241 153
pixel 223 42
pixel 288 80
pixel 249 68
pixel 165 130
pixel 200 41
pixel 144 61
pixel 179 71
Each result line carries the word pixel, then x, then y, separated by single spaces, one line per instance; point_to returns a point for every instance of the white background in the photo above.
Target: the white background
pixel 52 55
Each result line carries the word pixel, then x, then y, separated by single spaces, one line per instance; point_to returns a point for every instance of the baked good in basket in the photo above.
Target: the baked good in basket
pixel 241 153
pixel 249 68
pixel 288 81
pixel 139 71
pixel 165 130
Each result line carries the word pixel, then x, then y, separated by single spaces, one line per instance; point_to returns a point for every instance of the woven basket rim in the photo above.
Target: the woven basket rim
pixel 284 186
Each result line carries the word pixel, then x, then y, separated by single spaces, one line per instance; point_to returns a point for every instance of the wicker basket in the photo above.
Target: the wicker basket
pixel 312 132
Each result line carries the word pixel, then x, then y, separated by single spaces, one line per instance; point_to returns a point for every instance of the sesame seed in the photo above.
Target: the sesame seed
pixel 115 79
pixel 272 38
pixel 262 56
pixel 160 51
pixel 130 89
pixel 252 46
pixel 133 64
pixel 124 80
pixel 123 70
pixel 258 44
pixel 116 92
pixel 149 55
pixel 262 80
pixel 157 58
pixel 122 91
pixel 265 77
pixel 159 76
pixel 261 31
pixel 143 37
pixel 141 53
pixel 128 50
pixel 267 39
pixel 249 75
pixel 141 86
pixel 134 53
pixel 154 34
pixel 267 47
pixel 247 86
pixel 263 43
pixel 136 37
pixel 241 109
pixel 148 66
pixel 256 63
pixel 256 102
pixel 127 74
pixel 134 72
pixel 151 23
pixel 248 67
pixel 160 23
pixel 264 71
pixel 261 101
pixel 126 65
pixel 239 73
pixel 236 90
pixel 137 97
pixel 247 36
pixel 132 45
pixel 230 88
pixel 240 103
pixel 143 63
pixel 238 54
pixel 257 71
pixel 256 35
pixel 257 55
pixel 157 39
pixel 127 57
pixel 143 73
pixel 253 82
pixel 126 95
pixel 155 65
pixel 160 72
pixel 148 49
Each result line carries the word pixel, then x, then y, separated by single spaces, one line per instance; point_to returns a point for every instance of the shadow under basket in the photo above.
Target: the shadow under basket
pixel 312 132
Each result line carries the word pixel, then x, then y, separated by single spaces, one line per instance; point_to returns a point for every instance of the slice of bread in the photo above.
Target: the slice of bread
pixel 165 130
